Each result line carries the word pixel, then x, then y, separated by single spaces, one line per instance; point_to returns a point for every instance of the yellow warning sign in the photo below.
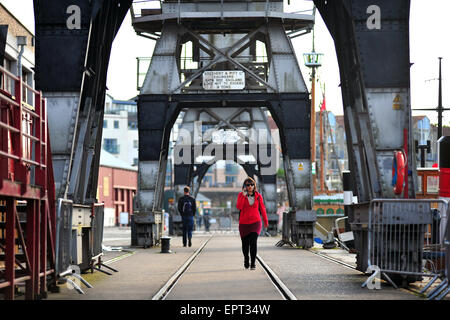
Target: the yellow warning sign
pixel 300 166
pixel 397 103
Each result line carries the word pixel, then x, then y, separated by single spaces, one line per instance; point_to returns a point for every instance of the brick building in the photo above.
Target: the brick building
pixel 18 36
pixel 117 185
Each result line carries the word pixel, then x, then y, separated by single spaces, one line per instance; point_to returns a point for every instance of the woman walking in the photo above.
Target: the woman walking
pixel 250 203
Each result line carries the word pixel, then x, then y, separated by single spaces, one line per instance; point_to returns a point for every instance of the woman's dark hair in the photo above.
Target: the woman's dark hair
pixel 249 179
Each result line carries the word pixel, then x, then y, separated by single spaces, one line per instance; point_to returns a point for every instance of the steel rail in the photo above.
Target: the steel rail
pixel 165 290
pixel 281 287
pixel 333 260
pixel 275 280
pixel 407 289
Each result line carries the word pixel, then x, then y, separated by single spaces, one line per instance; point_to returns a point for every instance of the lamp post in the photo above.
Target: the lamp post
pixel 322 153
pixel 313 61
pixel 440 109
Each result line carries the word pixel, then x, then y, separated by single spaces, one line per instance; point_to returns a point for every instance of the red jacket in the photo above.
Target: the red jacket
pixel 250 214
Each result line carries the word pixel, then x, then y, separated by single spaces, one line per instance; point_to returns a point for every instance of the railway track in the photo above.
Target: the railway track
pixel 333 260
pixel 283 290
pixel 407 289
pixel 165 290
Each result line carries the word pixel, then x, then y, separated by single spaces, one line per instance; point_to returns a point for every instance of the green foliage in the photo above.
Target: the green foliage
pixel 280 173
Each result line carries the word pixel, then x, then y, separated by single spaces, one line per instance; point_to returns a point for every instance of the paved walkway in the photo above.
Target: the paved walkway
pixel 311 277
pixel 140 275
pixel 218 273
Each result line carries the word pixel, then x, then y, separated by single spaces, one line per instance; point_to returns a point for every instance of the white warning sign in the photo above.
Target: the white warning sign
pixel 223 80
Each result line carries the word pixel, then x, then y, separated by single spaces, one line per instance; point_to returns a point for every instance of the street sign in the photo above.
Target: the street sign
pixel 223 80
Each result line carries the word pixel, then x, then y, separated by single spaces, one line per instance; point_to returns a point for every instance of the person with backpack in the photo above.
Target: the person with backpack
pixel 187 208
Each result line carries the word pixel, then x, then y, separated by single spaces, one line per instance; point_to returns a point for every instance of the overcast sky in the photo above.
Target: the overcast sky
pixel 429 27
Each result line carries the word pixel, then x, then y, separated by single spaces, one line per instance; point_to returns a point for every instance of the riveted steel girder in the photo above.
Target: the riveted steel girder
pixel 71 67
pixel 374 66
pixel 274 82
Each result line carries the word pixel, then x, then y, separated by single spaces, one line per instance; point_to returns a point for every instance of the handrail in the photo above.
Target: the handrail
pixel 26 175
pixel 22 125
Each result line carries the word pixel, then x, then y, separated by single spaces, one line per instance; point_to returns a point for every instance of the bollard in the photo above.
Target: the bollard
pixel 165 245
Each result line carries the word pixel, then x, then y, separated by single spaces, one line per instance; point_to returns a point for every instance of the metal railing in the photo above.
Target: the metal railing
pixel 138 5
pixel 406 240
pixel 446 243
pixel 26 177
pixel 343 237
pixel 142 63
pixel 27 136
pixel 225 222
pixel 188 66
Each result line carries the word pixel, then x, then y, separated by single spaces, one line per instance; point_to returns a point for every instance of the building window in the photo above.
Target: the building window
pixel 135 144
pixel 116 124
pixel 105 124
pixel 111 146
pixel 230 180
pixel 207 181
pixel 8 83
pixel 132 125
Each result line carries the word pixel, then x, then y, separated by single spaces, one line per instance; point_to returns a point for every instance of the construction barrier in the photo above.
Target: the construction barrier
pixel 406 240
pixel 225 223
pixel 447 261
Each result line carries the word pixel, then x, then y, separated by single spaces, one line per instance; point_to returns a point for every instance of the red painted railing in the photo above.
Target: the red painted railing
pixel 27 210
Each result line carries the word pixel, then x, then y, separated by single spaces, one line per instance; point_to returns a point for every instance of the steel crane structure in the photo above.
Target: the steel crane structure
pixel 228 87
pixel 73 44
pixel 224 36
pixel 372 46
